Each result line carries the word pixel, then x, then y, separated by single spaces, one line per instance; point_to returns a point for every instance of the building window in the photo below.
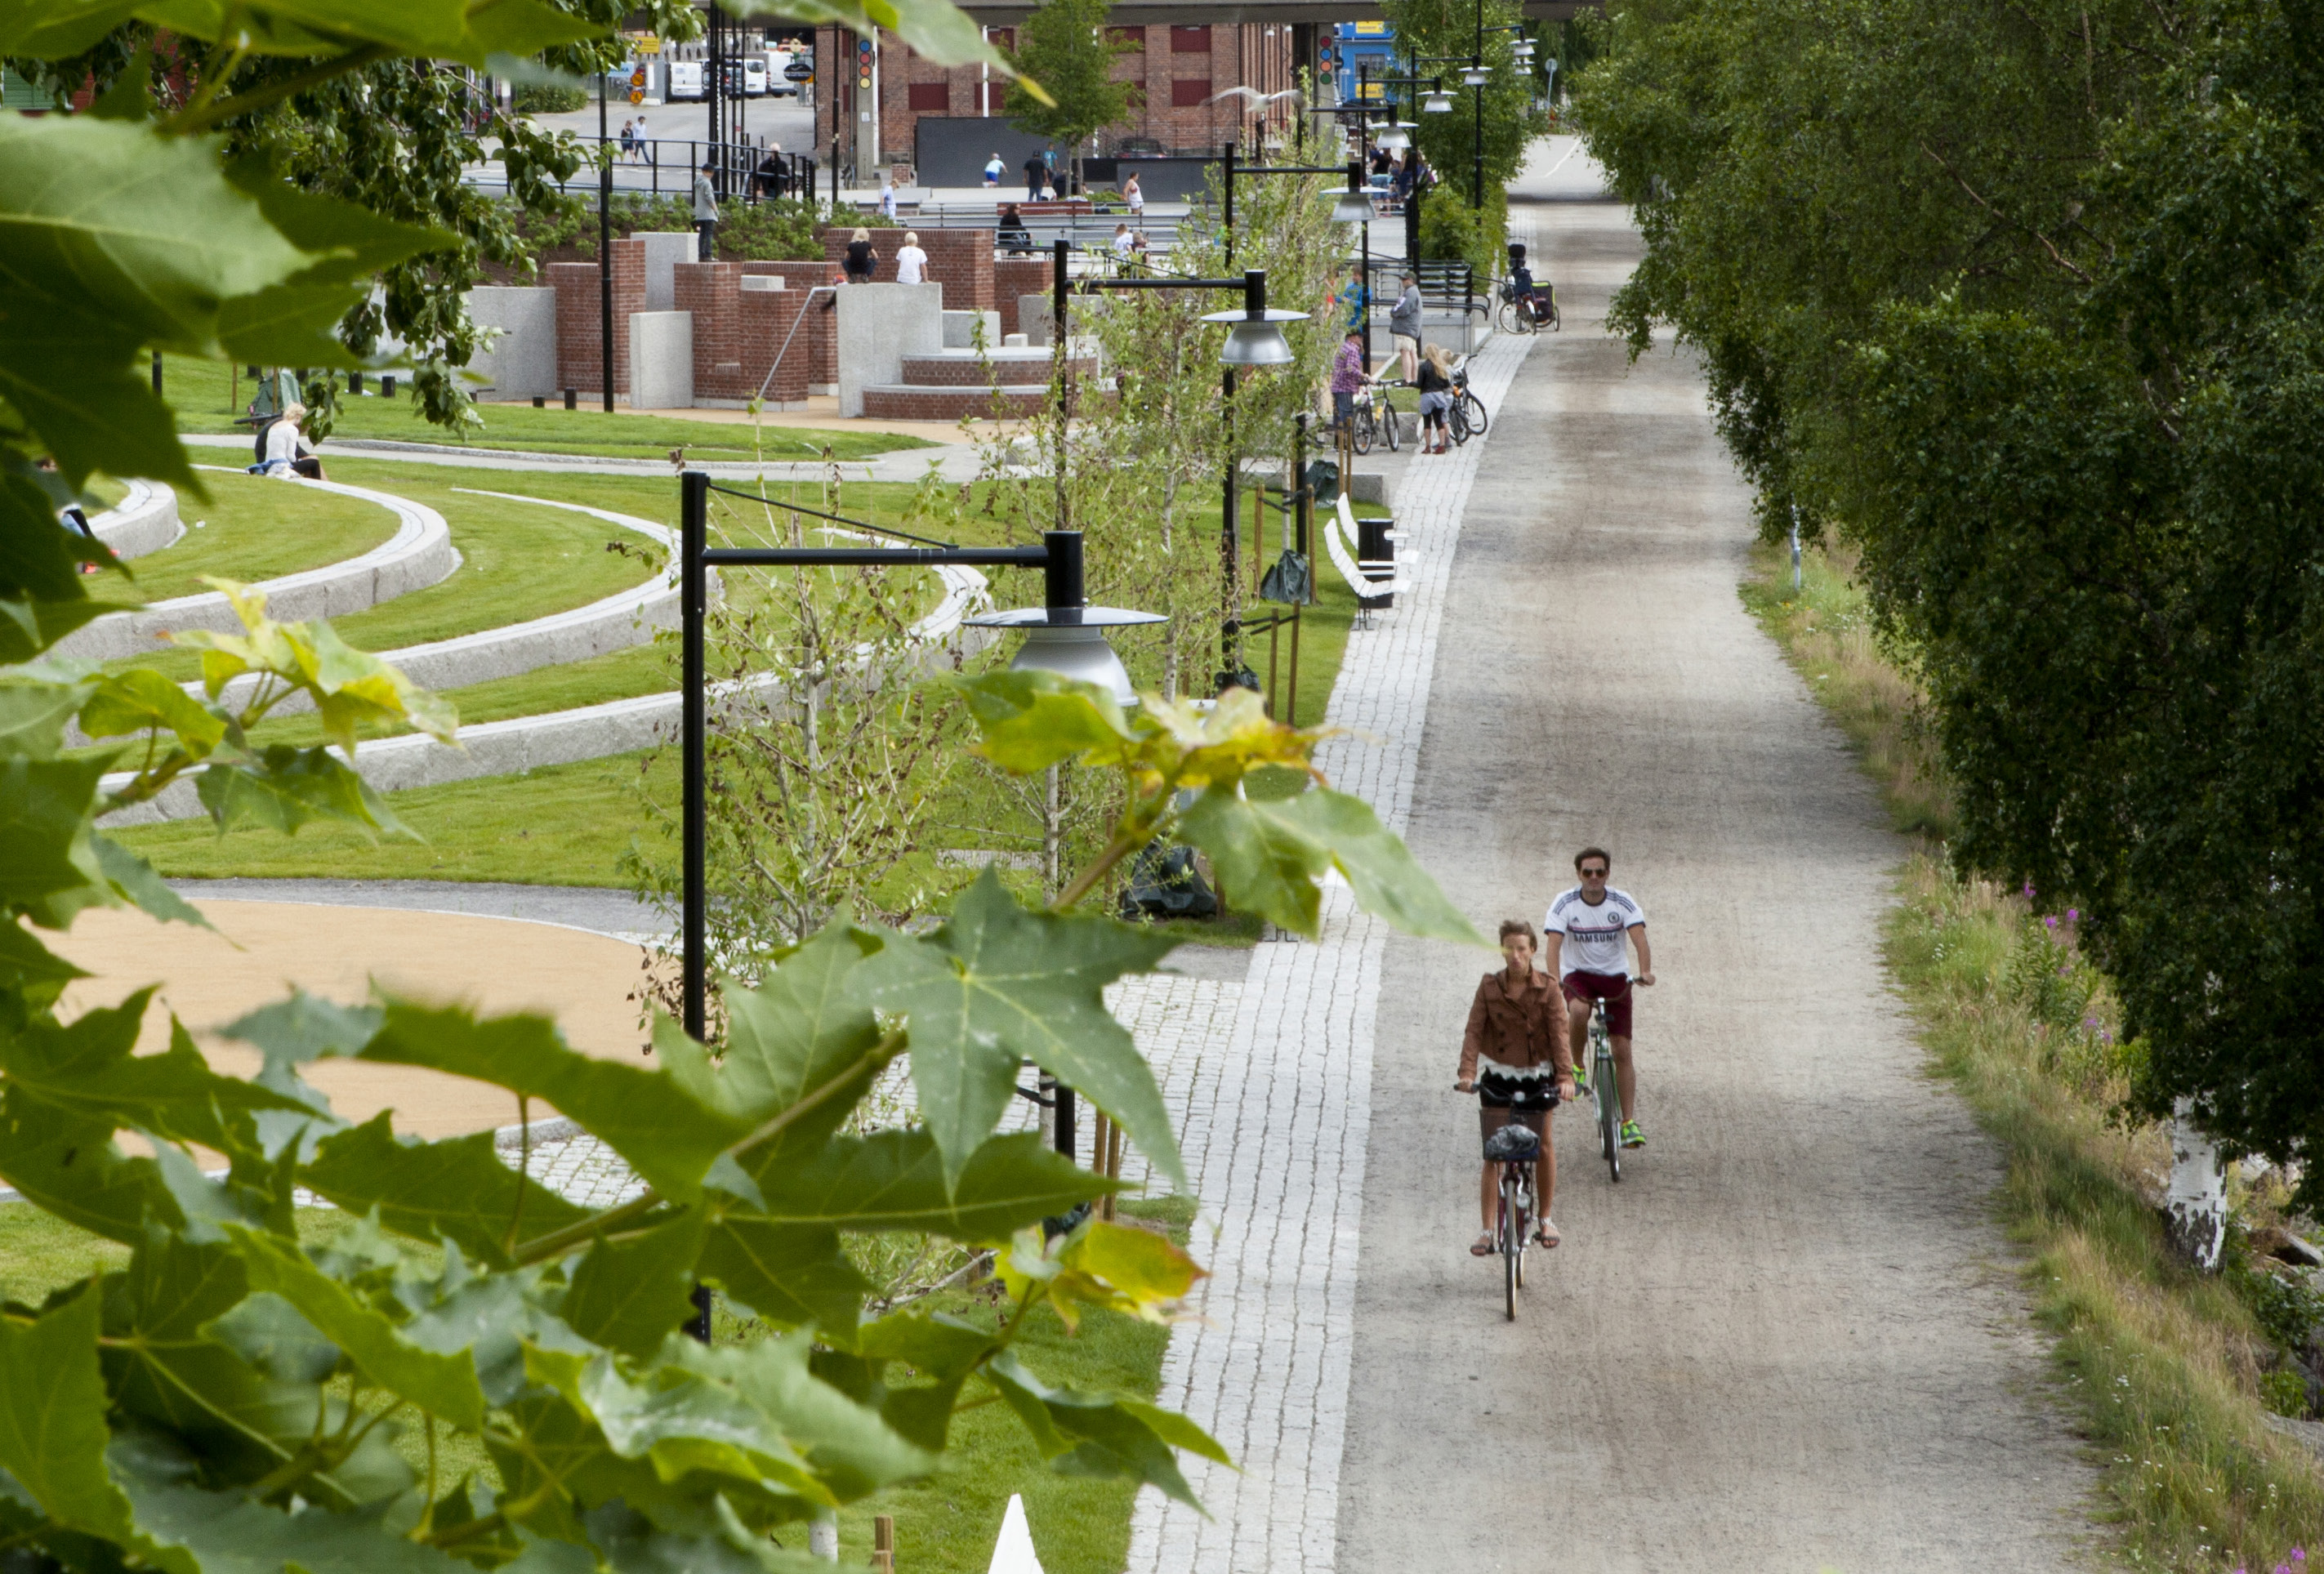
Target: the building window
pixel 1188 92
pixel 1190 40
pixel 931 98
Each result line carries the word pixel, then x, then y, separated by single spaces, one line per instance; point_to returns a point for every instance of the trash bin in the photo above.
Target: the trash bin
pixel 1374 545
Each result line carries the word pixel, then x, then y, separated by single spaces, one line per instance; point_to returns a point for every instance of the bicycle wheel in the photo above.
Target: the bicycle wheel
pixel 1363 431
pixel 1511 1243
pixel 1458 422
pixel 1508 317
pixel 1390 422
pixel 1524 1224
pixel 1610 1110
pixel 1475 409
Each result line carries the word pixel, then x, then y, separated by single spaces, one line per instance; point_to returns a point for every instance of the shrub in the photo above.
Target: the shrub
pixel 1449 230
pixel 547 100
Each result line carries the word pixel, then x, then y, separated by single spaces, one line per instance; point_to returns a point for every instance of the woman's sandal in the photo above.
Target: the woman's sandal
pixel 1545 1233
pixel 1483 1247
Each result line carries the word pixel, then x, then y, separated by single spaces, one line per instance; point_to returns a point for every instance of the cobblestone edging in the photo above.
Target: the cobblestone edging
pixel 1275 1127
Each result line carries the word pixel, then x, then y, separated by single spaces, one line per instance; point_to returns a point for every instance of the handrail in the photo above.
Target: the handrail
pixel 812 292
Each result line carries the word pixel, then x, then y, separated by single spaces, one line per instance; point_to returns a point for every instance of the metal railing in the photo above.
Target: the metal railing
pixel 657 167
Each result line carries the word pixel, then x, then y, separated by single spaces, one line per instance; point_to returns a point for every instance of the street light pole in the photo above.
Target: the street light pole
pixel 604 252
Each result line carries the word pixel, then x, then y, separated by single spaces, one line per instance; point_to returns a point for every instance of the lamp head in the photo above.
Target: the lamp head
pixel 1349 207
pixel 1394 138
pixel 1438 102
pixel 1475 77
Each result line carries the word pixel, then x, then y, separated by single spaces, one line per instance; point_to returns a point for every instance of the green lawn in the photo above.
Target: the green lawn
pixel 251 528
pixel 207 397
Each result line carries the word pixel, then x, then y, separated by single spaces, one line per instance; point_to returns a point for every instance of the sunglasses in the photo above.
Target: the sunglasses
pixel 1593 874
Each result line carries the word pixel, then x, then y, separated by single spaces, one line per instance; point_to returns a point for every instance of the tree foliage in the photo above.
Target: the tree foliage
pixel 2022 301
pixel 231 1399
pixel 1064 48
pixel 1426 30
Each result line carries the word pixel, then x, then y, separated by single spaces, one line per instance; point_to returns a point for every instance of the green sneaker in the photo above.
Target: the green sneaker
pixel 1581 1079
pixel 1631 1136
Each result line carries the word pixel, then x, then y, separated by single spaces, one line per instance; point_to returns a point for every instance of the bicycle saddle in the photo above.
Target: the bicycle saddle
pixel 1512 1142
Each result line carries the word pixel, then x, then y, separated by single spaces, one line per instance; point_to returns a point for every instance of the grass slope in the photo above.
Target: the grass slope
pixel 251 529
pixel 207 398
pixel 2161 1366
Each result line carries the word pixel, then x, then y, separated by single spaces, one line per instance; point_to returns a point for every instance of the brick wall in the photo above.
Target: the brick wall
pixel 961 260
pixel 712 291
pixel 1223 55
pixel 1015 276
pixel 579 363
pixel 767 317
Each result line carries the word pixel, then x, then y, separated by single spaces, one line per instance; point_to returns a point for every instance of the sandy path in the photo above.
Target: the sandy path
pixel 1789 1340
pixel 260 949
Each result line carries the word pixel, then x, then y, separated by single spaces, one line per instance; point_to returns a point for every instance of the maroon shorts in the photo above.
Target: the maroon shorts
pixel 1614 988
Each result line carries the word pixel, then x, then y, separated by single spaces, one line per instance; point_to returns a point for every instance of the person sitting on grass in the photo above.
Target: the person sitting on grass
pixel 287 452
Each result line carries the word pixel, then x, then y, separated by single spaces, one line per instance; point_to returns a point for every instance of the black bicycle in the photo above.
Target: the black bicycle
pixel 1465 402
pixel 1375 419
pixel 1515 1147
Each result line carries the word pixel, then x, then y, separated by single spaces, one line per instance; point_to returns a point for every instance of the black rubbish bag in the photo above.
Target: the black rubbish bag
pixel 1289 581
pixel 1323 479
pixel 1164 883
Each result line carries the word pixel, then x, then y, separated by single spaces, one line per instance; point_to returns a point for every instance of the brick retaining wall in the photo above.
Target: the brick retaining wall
pixel 579 363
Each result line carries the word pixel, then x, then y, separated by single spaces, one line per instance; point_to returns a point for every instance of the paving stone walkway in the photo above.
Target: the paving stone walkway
pixel 1275 1126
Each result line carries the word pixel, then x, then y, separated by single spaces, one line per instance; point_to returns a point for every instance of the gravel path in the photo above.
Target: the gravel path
pixel 1790 1339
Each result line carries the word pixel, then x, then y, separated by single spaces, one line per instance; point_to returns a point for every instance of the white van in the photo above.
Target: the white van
pixel 754 77
pixel 685 82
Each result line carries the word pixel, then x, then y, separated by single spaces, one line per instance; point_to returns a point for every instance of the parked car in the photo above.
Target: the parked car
pixel 685 82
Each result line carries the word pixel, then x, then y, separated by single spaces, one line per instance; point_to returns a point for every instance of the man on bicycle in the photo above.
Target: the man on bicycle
pixel 1588 929
pixel 1513 1029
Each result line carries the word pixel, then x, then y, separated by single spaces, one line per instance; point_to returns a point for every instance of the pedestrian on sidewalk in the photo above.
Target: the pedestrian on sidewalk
pixel 1347 379
pixel 911 263
pixel 1525 1069
pixel 629 140
pixel 1037 173
pixel 705 215
pixel 1435 400
pixel 1132 195
pixel 994 170
pixel 642 150
pixel 1404 327
pixel 887 198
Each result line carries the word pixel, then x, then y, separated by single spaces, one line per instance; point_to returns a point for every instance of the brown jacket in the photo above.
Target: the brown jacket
pixel 1528 1030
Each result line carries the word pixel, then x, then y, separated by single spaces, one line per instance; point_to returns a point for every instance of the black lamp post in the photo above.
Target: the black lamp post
pixel 1253 339
pixel 604 252
pixel 1063 634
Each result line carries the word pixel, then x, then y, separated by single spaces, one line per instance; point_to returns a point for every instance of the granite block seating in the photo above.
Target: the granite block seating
pixel 951 384
pixel 665 249
pixel 522 361
pixel 1014 278
pixel 662 360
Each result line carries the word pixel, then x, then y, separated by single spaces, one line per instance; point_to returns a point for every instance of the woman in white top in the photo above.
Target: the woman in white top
pixel 911 263
pixel 287 452
pixel 887 198
pixel 1134 197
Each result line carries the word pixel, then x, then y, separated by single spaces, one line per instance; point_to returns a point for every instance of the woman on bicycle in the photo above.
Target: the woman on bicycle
pixel 1514 1027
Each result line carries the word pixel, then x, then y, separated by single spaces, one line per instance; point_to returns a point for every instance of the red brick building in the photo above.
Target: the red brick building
pixel 1174 71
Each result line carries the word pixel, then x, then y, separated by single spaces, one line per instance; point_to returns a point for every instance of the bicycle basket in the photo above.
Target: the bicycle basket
pixel 1512 1142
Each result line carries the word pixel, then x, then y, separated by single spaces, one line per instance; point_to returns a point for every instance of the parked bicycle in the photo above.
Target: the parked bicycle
pixel 1375 419
pixel 1467 416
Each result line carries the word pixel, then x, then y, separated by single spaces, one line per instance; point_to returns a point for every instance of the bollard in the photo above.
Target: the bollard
pixel 387 386
pixel 572 399
pixel 539 402
pixel 883 1542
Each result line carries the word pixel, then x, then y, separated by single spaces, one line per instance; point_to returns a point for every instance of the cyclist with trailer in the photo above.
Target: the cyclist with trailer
pixel 1515 1059
pixel 1590 929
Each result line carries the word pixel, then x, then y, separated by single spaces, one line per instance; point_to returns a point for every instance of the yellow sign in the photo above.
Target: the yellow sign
pixel 638 78
pixel 1372 29
pixel 637 96
pixel 645 43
